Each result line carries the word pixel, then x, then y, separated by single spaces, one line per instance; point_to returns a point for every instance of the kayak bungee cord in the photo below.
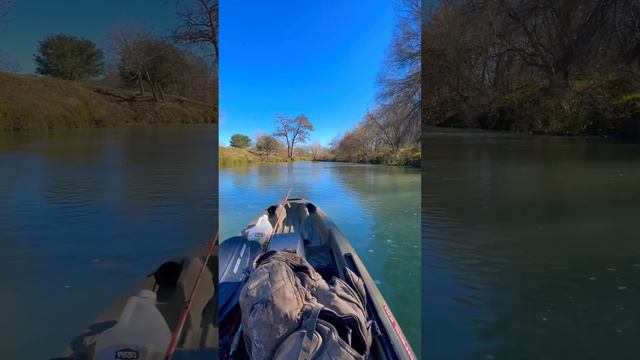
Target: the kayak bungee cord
pixel 187 307
pixel 275 228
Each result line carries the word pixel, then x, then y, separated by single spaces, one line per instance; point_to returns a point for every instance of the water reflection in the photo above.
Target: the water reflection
pixel 84 214
pixel 530 247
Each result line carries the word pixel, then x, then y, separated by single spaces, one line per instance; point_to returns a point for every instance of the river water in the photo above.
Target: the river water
pixel 85 214
pixel 531 247
pixel 376 207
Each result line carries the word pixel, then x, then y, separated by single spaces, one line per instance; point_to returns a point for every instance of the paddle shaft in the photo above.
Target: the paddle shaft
pixel 187 307
pixel 275 228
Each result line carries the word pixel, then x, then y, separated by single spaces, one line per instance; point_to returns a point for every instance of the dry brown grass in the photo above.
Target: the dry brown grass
pixel 43 103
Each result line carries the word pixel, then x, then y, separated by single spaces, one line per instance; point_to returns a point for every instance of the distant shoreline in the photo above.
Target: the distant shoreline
pixel 230 157
pixel 443 130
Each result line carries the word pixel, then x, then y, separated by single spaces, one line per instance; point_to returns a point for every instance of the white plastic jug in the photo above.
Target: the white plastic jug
pixel 260 231
pixel 141 332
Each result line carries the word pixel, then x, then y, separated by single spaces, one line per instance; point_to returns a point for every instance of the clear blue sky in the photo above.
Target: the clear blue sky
pixel 320 58
pixel 32 20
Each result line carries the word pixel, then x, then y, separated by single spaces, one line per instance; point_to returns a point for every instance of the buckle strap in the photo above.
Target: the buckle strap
pixel 307 342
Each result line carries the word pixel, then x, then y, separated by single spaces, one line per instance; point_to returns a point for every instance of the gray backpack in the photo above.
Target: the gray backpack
pixel 290 312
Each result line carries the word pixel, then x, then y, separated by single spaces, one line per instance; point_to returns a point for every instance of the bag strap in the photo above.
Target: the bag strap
pixel 263 257
pixel 356 283
pixel 307 342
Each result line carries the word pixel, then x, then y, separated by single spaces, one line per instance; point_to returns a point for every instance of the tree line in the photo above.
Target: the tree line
pixel 183 63
pixel 289 132
pixel 150 63
pixel 565 67
pixel 390 132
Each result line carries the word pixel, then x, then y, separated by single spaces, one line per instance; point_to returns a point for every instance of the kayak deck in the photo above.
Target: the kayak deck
pixel 330 253
pixel 171 282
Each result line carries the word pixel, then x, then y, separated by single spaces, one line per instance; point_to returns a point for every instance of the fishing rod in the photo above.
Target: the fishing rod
pixel 275 228
pixel 187 307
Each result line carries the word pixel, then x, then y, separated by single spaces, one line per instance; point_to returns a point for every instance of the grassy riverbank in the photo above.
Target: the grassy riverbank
pixel 230 156
pixel 43 103
pixel 406 156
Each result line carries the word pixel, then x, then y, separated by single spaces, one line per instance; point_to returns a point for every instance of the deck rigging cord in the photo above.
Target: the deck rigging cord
pixel 275 228
pixel 175 335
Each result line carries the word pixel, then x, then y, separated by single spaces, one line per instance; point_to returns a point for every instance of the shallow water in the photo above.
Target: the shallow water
pixel 531 247
pixel 84 215
pixel 376 207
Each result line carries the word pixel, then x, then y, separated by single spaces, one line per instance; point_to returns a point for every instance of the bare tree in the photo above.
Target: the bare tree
pixel 316 149
pixel 491 63
pixel 196 81
pixel 146 59
pixel 166 65
pixel 625 28
pixel 293 130
pixel 399 79
pixel 395 121
pixel 553 35
pixel 198 24
pixel 130 45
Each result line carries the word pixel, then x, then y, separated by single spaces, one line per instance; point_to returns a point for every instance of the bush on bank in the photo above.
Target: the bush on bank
pixel 409 155
pixel 602 105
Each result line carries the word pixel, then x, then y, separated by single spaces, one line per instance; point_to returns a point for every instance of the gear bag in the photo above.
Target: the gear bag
pixel 290 312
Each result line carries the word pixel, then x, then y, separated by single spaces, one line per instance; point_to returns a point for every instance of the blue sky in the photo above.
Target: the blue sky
pixel 32 20
pixel 320 58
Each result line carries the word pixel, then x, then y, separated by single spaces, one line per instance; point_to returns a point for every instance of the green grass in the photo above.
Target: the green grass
pixel 43 103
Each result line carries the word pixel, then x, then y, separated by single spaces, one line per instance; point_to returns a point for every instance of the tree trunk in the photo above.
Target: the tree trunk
pixel 140 84
pixel 154 92
pixel 161 91
pixel 153 88
pixel 293 144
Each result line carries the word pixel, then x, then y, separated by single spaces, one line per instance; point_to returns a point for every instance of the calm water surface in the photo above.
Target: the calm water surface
pixel 376 207
pixel 531 247
pixel 84 215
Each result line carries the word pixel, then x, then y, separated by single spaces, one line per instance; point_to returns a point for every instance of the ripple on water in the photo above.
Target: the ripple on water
pixel 515 226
